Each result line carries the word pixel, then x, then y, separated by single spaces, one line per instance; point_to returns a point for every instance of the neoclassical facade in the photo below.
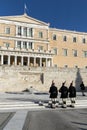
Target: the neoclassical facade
pixel 25 41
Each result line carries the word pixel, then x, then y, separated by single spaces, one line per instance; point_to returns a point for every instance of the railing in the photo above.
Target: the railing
pixel 26 50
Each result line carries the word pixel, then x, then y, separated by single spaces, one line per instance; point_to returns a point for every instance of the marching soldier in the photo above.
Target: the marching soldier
pixel 72 94
pixel 53 94
pixel 64 94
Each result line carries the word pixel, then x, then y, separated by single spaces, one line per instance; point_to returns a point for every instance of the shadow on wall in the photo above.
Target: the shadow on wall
pixel 42 78
pixel 78 80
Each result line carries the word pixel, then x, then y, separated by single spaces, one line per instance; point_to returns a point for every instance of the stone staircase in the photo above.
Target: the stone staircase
pixel 19 105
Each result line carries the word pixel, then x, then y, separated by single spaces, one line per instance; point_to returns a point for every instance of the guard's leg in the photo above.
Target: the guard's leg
pixel 57 102
pixel 72 102
pixel 64 102
pixel 50 103
pixel 53 102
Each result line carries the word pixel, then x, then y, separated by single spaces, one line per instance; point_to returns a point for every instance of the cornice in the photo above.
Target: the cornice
pixel 68 31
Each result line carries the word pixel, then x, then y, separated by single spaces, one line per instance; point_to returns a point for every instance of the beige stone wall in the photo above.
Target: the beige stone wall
pixel 69 60
pixel 45 46
pixel 20 78
pixel 41 41
pixel 12 30
pixel 11 42
pixel 44 31
pixel 61 75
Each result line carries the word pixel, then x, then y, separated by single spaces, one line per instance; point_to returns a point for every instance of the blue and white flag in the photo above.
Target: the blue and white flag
pixel 25 9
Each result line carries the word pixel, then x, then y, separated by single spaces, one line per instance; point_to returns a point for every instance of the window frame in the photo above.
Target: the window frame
pixel 85 54
pixel 83 40
pixel 65 52
pixel 75 53
pixel 74 39
pixel 40 34
pixel 7 30
pixel 54 37
pixel 55 50
pixel 64 38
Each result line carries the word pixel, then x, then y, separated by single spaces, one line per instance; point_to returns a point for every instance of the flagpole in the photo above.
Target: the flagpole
pixel 25 9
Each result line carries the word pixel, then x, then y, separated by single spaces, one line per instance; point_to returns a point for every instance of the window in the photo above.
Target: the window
pixel 40 35
pixel 24 31
pixel 54 37
pixel 75 53
pixel 83 40
pixel 19 30
pixel 30 32
pixel 18 44
pixel 85 54
pixel 74 39
pixel 65 38
pixel 55 51
pixel 6 45
pixel 64 52
pixel 7 30
pixel 30 45
pixel 25 45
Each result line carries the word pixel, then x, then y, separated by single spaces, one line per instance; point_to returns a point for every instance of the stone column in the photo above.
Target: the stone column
pixel 40 62
pixel 22 30
pixel 27 32
pixel 8 59
pixel 27 45
pixel 22 60
pixel 21 44
pixel 15 60
pixel 2 59
pixel 51 62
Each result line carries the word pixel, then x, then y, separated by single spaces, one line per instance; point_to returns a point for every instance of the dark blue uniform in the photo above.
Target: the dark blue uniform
pixel 53 95
pixel 72 94
pixel 64 94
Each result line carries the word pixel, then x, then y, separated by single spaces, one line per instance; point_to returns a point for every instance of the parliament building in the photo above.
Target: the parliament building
pixel 26 41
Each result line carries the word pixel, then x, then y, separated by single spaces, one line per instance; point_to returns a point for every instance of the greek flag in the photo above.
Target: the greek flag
pixel 25 6
pixel 25 9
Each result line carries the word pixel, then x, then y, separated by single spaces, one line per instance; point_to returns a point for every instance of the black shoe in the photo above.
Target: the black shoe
pixel 83 94
pixel 72 106
pixel 64 107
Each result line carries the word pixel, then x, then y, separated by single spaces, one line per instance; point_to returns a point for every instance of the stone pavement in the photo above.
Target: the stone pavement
pixel 36 100
pixel 21 103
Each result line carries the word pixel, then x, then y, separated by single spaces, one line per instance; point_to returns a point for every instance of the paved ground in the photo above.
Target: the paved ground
pixel 17 110
pixel 56 120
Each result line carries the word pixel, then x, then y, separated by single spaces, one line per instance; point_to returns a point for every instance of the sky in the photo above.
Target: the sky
pixel 61 14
